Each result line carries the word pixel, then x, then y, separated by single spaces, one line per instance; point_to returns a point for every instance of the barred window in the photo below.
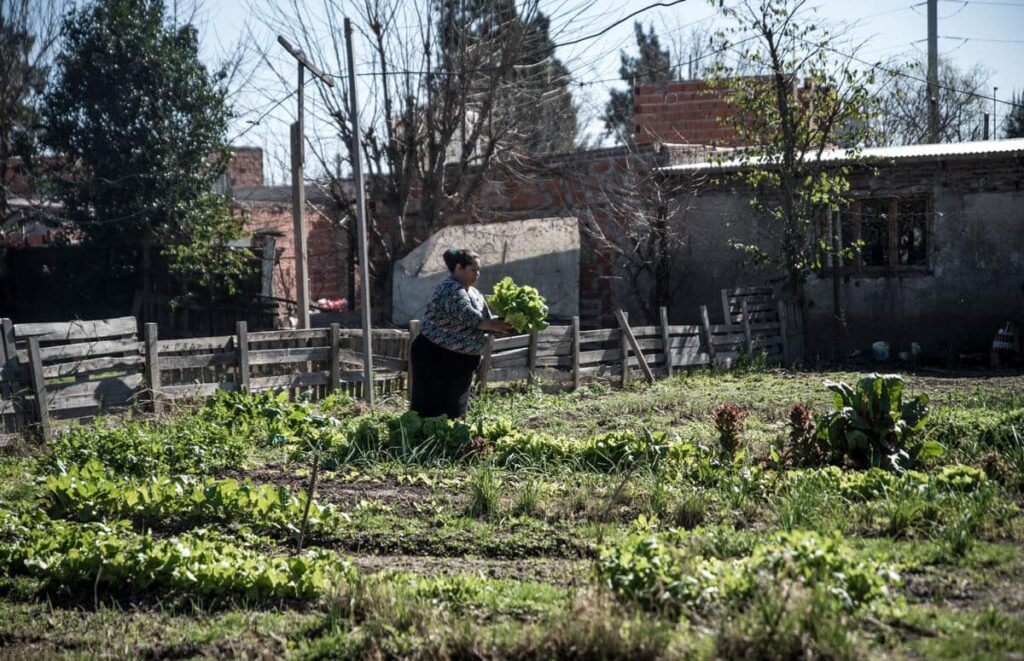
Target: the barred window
pixel 893 233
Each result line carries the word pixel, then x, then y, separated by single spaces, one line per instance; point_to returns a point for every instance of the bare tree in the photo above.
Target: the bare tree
pixel 445 84
pixel 903 113
pixel 29 30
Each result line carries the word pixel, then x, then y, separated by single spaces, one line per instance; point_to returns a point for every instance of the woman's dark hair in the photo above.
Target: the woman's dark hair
pixel 462 257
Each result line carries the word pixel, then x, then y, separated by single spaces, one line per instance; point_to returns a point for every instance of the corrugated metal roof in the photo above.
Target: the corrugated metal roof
pixel 908 152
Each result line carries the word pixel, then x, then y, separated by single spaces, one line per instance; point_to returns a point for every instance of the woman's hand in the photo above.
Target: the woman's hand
pixel 497 326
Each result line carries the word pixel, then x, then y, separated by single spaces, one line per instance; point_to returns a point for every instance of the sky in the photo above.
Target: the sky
pixel 971 32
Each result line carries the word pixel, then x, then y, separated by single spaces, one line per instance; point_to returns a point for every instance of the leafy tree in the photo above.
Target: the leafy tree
pixel 785 128
pixel 652 65
pixel 28 32
pixel 1015 118
pixel 142 123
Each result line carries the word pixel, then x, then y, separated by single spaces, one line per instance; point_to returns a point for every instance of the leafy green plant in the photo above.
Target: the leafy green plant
pixel 873 426
pixel 523 307
pixel 185 444
pixel 97 556
pixel 87 494
pixel 485 494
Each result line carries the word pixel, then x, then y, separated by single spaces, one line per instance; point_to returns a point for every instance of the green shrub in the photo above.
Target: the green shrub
pixel 873 426
pixel 87 558
pixel 186 444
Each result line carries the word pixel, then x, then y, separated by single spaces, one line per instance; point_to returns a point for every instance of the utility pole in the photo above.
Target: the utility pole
pixel 298 183
pixel 357 176
pixel 933 71
pixel 995 122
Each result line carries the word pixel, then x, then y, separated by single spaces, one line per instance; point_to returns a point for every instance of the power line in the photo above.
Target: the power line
pixel 254 124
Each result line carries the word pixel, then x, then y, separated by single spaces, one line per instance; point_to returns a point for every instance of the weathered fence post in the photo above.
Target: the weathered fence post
pixel 747 334
pixel 625 348
pixel 576 377
pixel 414 330
pixel 705 323
pixel 628 332
pixel 12 374
pixel 153 367
pixel 784 334
pixel 335 335
pixel 665 341
pixel 485 364
pixel 35 363
pixel 726 309
pixel 242 340
pixel 531 358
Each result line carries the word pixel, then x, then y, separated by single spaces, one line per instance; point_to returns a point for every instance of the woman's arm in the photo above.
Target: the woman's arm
pixel 495 326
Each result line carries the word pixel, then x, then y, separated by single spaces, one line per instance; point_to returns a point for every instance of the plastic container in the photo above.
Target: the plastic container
pixel 880 351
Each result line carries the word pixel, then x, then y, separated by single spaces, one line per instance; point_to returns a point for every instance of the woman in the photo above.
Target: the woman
pixel 447 351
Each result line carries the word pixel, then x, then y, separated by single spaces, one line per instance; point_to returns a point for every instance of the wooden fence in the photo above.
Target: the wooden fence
pixel 72 370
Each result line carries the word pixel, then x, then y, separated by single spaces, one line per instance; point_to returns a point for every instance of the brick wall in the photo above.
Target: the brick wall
pixel 246 167
pixel 681 112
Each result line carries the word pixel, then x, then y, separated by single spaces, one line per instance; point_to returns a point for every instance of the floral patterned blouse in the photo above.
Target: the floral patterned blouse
pixel 453 316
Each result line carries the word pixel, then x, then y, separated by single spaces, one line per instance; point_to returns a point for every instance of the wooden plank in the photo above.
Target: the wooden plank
pixel 506 374
pixel 168 363
pixel 335 358
pixel 64 352
pixel 387 363
pixel 555 361
pixel 90 403
pixel 747 337
pixel 666 346
pixel 510 357
pixel 358 376
pixel 194 390
pixel 624 347
pixel 99 388
pixel 531 360
pixel 751 291
pixel 414 330
pixel 223 343
pixel 242 350
pixel 291 335
pixel 684 330
pixel 691 359
pixel 601 356
pixel 600 335
pixel 726 315
pixel 783 334
pixel 11 375
pixel 89 365
pixel 576 382
pixel 706 327
pixel 485 362
pixel 285 381
pixel 376 333
pixel 299 355
pixel 514 342
pixel 646 331
pixel 78 330
pixel 153 367
pixel 684 342
pixel 620 316
pixel 35 361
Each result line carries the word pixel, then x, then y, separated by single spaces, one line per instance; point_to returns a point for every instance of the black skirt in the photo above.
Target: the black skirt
pixel 440 379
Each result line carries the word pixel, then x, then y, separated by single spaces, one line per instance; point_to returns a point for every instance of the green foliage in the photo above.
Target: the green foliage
pixel 87 493
pixel 791 99
pixel 87 558
pixel 485 494
pixel 146 158
pixel 186 444
pixel 653 64
pixel 660 574
pixel 873 426
pixel 523 307
pixel 1015 118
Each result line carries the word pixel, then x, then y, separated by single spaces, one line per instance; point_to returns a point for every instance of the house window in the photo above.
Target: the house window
pixel 893 234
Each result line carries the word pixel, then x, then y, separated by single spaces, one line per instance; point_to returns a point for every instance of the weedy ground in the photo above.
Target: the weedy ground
pixel 704 558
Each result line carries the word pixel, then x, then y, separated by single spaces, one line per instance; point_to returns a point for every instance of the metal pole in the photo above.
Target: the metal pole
pixel 933 71
pixel 299 207
pixel 357 175
pixel 995 121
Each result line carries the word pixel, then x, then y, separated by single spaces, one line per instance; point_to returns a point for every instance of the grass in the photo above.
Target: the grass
pixel 466 558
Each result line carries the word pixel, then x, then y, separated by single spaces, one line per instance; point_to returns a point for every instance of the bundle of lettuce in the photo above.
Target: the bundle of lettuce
pixel 522 307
